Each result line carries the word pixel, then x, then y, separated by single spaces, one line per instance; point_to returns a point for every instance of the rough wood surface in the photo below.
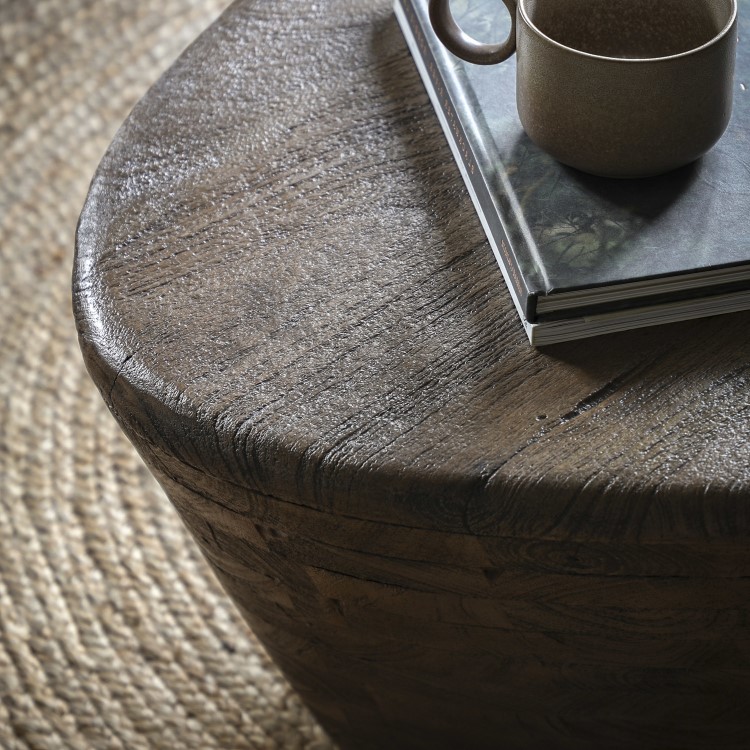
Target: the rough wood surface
pixel 444 537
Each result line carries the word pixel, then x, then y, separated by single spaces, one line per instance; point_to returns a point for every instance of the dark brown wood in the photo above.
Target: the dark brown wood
pixel 444 537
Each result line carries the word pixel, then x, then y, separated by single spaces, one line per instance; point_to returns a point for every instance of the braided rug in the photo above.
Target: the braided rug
pixel 113 631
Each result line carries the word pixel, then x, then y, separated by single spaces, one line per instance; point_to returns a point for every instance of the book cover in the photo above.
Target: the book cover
pixel 585 255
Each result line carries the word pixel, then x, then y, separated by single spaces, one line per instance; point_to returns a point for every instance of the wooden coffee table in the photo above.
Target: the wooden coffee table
pixel 445 538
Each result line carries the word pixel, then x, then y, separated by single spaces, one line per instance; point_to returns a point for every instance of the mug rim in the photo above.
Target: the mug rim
pixel 630 60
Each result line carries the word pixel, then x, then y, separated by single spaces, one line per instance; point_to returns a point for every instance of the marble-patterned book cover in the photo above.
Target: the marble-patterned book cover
pixel 555 229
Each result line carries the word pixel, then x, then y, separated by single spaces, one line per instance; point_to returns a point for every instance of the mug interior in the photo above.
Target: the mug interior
pixel 630 28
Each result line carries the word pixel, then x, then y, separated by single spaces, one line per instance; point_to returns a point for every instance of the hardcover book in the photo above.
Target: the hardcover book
pixel 585 255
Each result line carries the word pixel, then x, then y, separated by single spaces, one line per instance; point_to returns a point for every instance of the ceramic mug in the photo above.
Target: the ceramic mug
pixel 618 88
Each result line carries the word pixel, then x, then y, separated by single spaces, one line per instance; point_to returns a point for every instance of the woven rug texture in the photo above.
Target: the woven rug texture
pixel 113 631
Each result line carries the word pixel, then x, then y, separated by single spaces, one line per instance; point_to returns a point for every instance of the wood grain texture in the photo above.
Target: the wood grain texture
pixel 444 537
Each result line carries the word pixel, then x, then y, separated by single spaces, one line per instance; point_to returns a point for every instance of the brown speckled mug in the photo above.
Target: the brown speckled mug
pixel 618 88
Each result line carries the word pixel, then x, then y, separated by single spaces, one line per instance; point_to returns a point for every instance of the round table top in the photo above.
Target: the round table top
pixel 281 283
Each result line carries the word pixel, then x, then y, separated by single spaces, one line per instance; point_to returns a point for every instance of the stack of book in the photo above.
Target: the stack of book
pixel 585 255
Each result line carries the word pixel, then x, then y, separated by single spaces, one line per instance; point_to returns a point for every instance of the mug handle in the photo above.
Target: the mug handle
pixel 462 45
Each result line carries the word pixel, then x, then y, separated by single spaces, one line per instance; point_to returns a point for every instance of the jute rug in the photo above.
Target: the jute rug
pixel 113 632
